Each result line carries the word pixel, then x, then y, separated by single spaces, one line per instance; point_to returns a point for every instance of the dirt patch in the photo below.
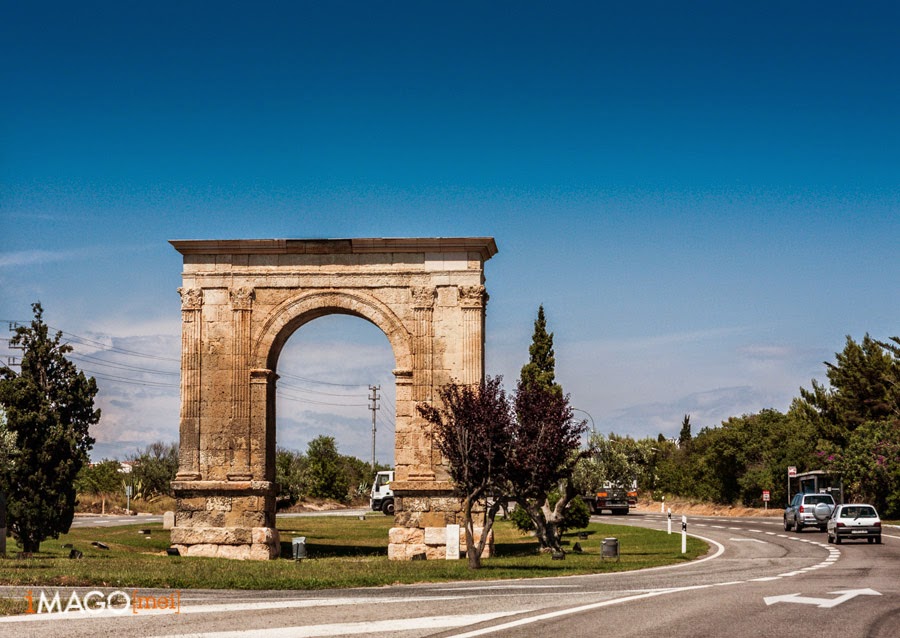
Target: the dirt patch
pixel 321 505
pixel 707 509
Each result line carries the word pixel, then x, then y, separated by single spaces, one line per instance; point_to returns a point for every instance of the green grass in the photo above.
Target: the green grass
pixel 343 552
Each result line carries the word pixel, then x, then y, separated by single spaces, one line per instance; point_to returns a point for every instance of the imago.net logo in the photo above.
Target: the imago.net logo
pixel 116 602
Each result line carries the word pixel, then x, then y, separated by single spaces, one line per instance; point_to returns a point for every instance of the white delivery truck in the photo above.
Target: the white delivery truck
pixel 382 497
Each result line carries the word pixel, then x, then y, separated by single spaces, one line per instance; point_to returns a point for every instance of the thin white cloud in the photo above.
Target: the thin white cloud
pixel 17 259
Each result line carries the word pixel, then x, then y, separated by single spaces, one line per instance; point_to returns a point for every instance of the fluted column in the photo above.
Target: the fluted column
pixel 241 306
pixel 423 342
pixel 472 301
pixel 189 421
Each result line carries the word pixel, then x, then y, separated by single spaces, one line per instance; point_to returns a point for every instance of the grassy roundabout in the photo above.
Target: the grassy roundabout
pixel 343 552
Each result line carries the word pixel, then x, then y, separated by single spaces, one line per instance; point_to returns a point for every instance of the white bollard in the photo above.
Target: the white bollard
pixel 662 506
pixel 669 521
pixel 684 534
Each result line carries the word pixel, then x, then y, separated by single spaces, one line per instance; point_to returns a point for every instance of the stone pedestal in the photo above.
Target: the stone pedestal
pixel 226 519
pixel 421 518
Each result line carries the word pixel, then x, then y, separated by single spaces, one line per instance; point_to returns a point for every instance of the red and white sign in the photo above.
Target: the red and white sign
pixel 765 495
pixel 792 471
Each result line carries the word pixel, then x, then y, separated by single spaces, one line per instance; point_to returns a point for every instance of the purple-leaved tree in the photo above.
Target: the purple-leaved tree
pixel 473 430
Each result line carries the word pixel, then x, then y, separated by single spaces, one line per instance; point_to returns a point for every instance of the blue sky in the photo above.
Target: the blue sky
pixel 704 196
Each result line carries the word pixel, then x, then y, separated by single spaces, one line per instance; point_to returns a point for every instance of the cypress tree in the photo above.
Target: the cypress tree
pixel 50 407
pixel 541 366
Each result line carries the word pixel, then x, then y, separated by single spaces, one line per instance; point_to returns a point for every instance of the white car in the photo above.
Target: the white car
pixel 854 520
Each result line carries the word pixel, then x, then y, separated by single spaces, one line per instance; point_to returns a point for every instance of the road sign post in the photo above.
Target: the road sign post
pixel 792 471
pixel 766 499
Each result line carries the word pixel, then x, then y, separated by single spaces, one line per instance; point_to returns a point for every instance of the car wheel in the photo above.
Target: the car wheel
pixel 878 540
pixel 798 527
pixel 787 527
pixel 837 539
pixel 388 508
pixel 829 539
pixel 871 540
pixel 822 528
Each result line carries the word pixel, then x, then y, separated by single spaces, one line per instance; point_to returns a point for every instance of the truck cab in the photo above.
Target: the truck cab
pixel 382 497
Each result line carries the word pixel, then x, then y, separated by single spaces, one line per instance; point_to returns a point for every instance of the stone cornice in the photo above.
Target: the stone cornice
pixel 486 247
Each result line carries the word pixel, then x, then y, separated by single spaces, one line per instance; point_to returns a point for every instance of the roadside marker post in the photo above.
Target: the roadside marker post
pixel 684 534
pixel 669 521
pixel 662 505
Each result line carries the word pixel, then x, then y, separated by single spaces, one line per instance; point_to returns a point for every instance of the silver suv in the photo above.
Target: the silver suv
pixel 808 510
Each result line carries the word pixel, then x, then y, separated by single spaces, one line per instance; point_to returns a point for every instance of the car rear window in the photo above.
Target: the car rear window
pixel 858 512
pixel 815 499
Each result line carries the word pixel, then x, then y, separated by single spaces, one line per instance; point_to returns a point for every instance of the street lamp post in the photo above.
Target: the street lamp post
pixel 593 430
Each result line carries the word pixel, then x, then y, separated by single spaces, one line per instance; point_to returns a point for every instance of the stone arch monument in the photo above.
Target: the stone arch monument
pixel 240 302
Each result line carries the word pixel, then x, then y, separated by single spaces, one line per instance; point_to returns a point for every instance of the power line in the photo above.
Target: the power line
pixel 303 389
pixel 110 348
pixel 115 379
pixel 291 397
pixel 345 385
pixel 121 366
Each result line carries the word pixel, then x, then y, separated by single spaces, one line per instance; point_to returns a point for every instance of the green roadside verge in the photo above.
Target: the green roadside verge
pixel 342 552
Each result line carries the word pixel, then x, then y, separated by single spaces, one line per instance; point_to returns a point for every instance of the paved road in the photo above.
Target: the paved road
pixel 759 581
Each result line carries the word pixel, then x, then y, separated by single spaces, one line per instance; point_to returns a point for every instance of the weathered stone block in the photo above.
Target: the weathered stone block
pixel 435 535
pixel 406 535
pixel 433 519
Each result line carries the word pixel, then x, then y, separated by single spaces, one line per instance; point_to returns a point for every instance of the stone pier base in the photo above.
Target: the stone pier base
pixel 226 519
pixel 420 523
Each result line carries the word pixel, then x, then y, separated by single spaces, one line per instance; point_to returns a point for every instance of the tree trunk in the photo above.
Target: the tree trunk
pixel 31 547
pixel 546 521
pixel 2 524
pixel 473 554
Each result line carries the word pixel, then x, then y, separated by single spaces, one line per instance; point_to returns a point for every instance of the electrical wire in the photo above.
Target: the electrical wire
pixel 121 366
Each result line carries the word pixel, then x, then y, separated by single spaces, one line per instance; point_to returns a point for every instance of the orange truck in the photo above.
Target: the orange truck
pixel 616 499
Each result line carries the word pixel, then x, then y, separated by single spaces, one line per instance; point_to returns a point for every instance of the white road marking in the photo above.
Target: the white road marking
pixel 354 628
pixel 822 603
pixel 228 607
pixel 748 540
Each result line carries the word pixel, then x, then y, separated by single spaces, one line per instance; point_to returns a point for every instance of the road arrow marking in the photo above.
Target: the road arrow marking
pixel 822 603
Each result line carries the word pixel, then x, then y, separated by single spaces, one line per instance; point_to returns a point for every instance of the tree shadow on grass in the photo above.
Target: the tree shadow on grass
pixel 323 550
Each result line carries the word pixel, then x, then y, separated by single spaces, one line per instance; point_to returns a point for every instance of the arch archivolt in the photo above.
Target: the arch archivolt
pixel 291 314
pixel 242 300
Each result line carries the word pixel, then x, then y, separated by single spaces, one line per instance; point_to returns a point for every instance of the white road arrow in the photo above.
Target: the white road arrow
pixel 823 603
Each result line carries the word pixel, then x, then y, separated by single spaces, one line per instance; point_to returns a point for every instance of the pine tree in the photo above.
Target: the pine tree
pixel 541 366
pixel 50 408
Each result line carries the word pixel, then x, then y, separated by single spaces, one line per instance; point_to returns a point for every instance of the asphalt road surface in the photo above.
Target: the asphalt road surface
pixel 757 581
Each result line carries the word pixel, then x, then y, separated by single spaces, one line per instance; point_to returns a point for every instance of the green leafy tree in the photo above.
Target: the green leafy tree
pixel 100 479
pixel 7 456
pixel 324 474
pixel 104 477
pixel 541 366
pixel 290 467
pixel 864 385
pixel 473 430
pixel 153 470
pixel 870 466
pixel 50 408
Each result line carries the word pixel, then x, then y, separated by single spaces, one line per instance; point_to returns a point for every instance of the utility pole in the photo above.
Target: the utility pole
pixel 373 405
